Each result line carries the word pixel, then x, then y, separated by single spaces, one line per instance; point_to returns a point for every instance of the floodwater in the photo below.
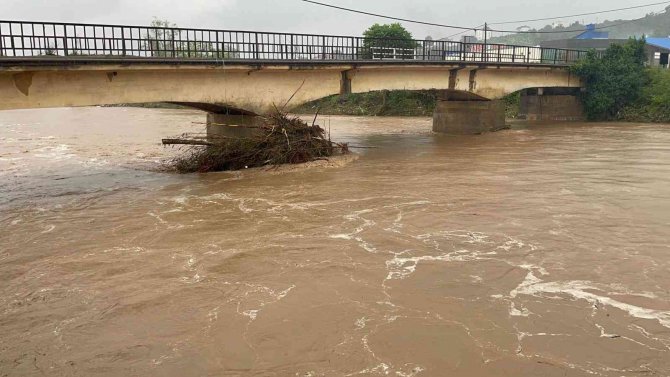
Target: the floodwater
pixel 539 251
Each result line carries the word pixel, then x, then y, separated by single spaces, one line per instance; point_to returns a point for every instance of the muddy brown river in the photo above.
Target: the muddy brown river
pixel 538 251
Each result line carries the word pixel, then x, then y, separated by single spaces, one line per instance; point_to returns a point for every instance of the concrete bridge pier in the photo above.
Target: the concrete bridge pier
pixel 237 126
pixel 468 117
pixel 551 104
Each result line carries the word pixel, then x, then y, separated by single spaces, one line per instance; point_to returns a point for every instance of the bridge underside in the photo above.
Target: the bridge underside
pixel 245 88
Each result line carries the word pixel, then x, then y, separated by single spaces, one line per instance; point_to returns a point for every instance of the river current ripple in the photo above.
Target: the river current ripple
pixel 538 251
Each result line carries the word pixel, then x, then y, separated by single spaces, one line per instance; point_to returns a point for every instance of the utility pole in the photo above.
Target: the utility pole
pixel 486 50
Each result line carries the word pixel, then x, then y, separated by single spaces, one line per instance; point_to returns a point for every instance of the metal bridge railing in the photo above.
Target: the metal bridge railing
pixel 23 39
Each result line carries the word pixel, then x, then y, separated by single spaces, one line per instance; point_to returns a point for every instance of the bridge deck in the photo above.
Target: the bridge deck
pixel 13 63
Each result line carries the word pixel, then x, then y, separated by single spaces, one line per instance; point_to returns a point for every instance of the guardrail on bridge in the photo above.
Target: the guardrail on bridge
pixel 23 39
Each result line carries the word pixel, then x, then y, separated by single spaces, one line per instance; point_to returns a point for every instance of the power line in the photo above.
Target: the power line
pixel 580 14
pixel 463 32
pixel 466 29
pixel 388 17
pixel 567 31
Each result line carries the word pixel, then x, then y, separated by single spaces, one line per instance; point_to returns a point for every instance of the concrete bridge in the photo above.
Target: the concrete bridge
pixel 242 73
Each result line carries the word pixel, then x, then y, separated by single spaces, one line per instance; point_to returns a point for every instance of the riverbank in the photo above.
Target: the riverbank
pixel 380 103
pixel 151 105
pixel 654 104
pixel 389 103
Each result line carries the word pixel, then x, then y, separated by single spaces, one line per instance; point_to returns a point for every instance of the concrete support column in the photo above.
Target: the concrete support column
pixel 468 117
pixel 239 126
pixel 551 104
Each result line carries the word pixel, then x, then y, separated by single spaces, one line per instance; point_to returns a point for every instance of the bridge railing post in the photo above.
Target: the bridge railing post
pixel 123 40
pixel 423 54
pixel 64 40
pixel 323 47
pixel 256 53
pixel 292 48
pixel 220 50
pixel 358 49
pixel 11 40
pixel 556 55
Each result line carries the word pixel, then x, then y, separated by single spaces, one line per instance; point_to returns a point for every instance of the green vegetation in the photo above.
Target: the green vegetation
pixel 388 41
pixel 613 80
pixel 389 103
pixel 383 103
pixel 654 102
pixel 653 25
pixel 620 87
pixel 151 105
pixel 161 41
pixel 512 105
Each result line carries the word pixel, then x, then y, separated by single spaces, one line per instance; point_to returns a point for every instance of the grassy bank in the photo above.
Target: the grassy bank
pixel 654 102
pixel 389 103
pixel 383 103
pixel 150 105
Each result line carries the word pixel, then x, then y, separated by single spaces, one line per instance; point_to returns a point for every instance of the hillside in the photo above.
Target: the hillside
pixel 652 25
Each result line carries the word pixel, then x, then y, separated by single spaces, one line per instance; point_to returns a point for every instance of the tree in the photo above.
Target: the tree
pixel 612 80
pixel 159 39
pixel 390 41
pixel 163 40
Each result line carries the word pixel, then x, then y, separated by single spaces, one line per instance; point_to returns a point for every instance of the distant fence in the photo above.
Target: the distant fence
pixel 22 39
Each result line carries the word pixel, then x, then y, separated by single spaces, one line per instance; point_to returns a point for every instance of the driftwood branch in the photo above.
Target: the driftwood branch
pixel 186 142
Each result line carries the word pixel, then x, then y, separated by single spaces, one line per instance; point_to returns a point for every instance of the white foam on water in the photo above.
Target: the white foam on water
pixel 367 223
pixel 361 323
pixel 413 373
pixel 218 196
pixel 532 267
pixel 244 208
pixel 134 249
pixel 533 286
pixel 400 267
pixel 94 162
pixel 157 217
pixel 49 229
pixel 181 199
pixel 275 297
pixel 381 368
pixel 514 312
pixel 55 153
pixel 604 334
pixel 252 314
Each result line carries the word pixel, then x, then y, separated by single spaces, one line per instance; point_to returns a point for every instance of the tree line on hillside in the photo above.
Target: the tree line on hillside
pixel 652 25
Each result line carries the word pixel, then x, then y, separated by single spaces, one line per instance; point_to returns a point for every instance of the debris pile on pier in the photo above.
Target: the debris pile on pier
pixel 281 139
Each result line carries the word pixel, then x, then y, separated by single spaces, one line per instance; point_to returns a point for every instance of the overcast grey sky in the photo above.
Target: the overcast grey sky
pixel 297 16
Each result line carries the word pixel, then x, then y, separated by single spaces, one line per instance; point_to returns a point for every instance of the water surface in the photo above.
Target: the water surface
pixel 539 251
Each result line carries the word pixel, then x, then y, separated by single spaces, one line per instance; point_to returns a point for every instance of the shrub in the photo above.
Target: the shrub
pixel 613 80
